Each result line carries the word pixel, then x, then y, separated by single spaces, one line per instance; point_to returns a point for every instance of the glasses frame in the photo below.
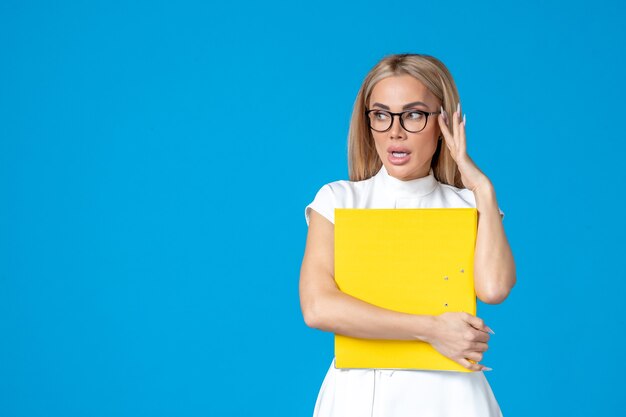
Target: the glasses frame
pixel 426 113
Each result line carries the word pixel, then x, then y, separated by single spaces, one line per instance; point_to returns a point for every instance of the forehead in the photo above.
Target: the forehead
pixel 400 89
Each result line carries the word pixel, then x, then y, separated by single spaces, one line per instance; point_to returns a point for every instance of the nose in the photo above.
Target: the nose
pixel 396 131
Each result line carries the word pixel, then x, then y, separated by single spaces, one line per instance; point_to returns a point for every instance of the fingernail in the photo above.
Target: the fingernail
pixel 486 368
pixel 458 108
pixel 464 120
pixel 490 331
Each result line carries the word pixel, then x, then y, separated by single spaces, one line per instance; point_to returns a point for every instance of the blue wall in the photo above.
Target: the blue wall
pixel 156 159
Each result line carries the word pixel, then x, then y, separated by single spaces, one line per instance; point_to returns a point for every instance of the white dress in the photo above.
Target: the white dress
pixel 399 393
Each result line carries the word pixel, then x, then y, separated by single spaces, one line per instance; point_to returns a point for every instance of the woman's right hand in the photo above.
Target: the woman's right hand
pixel 461 336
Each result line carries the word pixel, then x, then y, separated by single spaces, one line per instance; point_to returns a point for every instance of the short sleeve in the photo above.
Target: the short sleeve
pixel 323 203
pixel 468 196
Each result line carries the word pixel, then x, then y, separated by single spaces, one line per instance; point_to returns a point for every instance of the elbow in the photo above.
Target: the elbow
pixel 318 310
pixel 496 295
pixel 311 315
pixel 496 286
pixel 309 319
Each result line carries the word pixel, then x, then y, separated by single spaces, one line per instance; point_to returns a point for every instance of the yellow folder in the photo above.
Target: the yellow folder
pixel 418 261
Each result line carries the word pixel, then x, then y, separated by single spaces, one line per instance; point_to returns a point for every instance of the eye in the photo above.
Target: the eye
pixel 381 115
pixel 414 115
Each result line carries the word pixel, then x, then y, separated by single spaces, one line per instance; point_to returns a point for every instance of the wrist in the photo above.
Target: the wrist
pixel 486 200
pixel 484 188
pixel 426 327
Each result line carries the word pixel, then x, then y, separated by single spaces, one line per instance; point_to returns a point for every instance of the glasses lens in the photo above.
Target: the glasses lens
pixel 414 121
pixel 380 120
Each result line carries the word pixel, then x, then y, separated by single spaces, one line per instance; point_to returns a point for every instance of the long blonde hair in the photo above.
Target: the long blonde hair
pixel 363 160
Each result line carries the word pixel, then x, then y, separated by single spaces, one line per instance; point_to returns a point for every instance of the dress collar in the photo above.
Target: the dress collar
pixel 412 188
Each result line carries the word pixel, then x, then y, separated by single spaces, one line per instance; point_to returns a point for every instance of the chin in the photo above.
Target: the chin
pixel 401 170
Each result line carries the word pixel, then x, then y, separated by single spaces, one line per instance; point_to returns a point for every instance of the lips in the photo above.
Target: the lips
pixel 398 158
pixel 397 149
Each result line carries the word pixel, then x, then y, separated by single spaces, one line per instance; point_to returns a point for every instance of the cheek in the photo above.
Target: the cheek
pixel 425 146
pixel 379 142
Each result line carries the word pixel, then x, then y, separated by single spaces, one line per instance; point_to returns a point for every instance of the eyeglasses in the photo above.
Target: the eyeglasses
pixel 411 120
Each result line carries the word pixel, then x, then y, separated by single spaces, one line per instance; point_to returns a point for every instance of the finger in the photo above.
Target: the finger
pixel 480 347
pixel 445 132
pixel 476 322
pixel 476 336
pixel 471 366
pixel 443 124
pixel 455 123
pixel 462 141
pixel 449 145
pixel 444 116
pixel 474 356
pixel 481 337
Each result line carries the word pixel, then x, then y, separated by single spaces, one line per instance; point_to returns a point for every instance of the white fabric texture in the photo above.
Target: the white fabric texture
pixel 399 393
pixel 384 191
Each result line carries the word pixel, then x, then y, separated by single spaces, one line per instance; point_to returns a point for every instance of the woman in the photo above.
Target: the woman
pixel 406 149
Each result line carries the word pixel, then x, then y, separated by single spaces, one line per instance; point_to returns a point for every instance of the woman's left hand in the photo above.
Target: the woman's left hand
pixel 472 177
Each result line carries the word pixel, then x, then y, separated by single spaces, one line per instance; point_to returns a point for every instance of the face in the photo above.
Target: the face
pixel 396 94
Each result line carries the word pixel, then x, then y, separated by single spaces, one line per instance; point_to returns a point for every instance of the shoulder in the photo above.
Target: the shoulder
pixel 344 191
pixel 462 193
pixel 465 195
pixel 337 194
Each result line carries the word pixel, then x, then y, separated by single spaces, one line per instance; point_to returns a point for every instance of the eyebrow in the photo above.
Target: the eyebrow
pixel 406 106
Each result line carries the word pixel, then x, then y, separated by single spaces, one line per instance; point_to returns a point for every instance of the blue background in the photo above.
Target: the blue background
pixel 156 159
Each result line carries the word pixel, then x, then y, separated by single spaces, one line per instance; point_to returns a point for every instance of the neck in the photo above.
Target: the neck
pixel 409 176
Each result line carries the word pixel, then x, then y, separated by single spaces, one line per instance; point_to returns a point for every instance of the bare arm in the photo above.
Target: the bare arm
pixel 460 336
pixel 327 308
pixel 494 267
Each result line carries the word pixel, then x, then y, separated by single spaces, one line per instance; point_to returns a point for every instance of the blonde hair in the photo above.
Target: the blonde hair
pixel 363 160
